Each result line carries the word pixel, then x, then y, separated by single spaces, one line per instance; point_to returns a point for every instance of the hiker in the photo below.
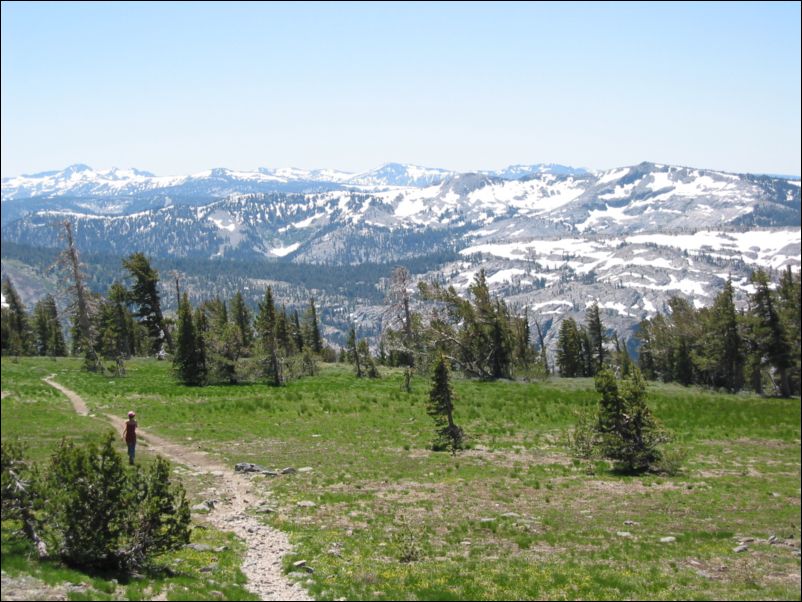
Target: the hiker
pixel 129 434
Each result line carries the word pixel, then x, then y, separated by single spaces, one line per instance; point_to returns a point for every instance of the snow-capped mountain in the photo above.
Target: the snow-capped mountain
pixel 550 239
pixel 109 187
pixel 516 172
pixel 646 198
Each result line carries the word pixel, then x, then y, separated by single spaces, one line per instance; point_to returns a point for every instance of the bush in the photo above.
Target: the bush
pixel 627 432
pixel 671 461
pixel 582 440
pixel 99 515
pixel 20 493
pixel 441 408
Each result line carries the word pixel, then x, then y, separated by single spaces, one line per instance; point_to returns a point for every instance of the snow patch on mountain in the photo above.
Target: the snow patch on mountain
pixel 284 251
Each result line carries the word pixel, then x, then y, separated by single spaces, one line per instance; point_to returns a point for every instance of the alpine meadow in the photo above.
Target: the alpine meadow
pixel 422 364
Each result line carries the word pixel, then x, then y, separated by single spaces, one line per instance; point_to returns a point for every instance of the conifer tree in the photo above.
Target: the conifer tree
pixel 201 331
pixel 296 332
pixel 588 363
pixel 49 340
pixel 353 351
pixel 241 317
pixel 476 334
pixel 283 338
pixel 789 297
pixel 721 357
pixel 595 332
pixel 768 333
pixel 682 340
pixel 115 325
pixel 569 350
pixel 5 330
pixel 367 359
pixel 645 356
pixel 441 409
pixel 223 347
pixel 19 340
pixel 266 333
pixel 628 433
pixel 185 358
pixel 312 338
pixel 625 361
pixel 144 293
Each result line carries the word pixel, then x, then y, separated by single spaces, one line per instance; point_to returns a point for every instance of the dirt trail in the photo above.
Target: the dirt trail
pixel 266 546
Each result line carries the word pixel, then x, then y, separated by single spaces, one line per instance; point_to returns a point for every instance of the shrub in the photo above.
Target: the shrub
pixel 101 516
pixel 627 431
pixel 582 440
pixel 441 408
pixel 20 493
pixel 671 461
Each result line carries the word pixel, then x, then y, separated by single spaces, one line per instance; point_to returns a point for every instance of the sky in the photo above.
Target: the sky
pixel 176 88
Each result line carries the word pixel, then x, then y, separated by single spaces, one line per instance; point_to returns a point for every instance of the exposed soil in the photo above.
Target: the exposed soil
pixel 266 545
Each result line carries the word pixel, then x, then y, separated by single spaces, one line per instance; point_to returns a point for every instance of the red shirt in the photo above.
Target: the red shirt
pixel 130 431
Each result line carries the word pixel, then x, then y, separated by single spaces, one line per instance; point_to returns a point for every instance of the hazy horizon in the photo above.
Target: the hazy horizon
pixel 178 88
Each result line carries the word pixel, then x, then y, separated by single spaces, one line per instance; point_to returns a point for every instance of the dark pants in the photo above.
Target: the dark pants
pixel 131 450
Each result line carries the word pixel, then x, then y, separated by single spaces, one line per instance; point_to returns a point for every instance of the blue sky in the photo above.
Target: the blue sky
pixel 178 88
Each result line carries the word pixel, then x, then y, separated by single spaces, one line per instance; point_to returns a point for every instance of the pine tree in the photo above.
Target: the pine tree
pixel 241 317
pixel 266 334
pixel 628 433
pixel 296 332
pixel 476 334
pixel 353 351
pixel 283 338
pixel 49 340
pixel 144 293
pixel 523 348
pixel 625 362
pixel 501 341
pixel 569 350
pixel 588 365
pixel 769 335
pixel 683 340
pixel 789 296
pixel 201 331
pixel 441 408
pixel 646 354
pixel 114 325
pixel 222 341
pixel 19 339
pixel 185 358
pixel 595 332
pixel 722 355
pixel 5 330
pixel 312 338
pixel 367 359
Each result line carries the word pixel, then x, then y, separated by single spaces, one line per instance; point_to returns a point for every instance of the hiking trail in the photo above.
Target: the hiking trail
pixel 266 545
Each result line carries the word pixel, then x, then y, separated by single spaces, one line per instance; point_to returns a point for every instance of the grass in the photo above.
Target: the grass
pixel 513 517
pixel 40 417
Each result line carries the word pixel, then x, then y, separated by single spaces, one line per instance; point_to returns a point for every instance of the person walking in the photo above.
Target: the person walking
pixel 129 434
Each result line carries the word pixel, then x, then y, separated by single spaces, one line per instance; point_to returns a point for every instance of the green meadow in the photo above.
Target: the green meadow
pixel 513 517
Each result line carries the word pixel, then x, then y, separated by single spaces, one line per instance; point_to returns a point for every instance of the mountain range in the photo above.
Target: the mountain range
pixel 551 238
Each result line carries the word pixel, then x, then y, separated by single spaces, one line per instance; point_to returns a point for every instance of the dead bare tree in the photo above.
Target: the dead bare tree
pixel 69 262
pixel 397 327
pixel 543 356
